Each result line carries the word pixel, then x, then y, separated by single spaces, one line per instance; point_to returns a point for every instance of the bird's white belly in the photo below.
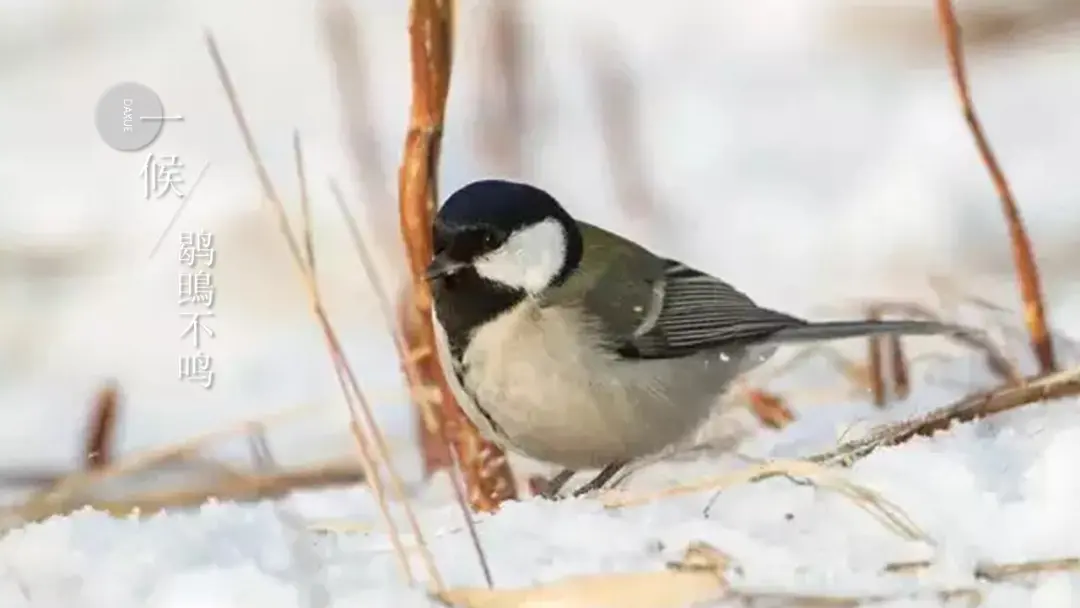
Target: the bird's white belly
pixel 543 391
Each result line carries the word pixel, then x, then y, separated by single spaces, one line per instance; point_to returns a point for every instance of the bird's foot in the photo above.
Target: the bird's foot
pixel 605 475
pixel 551 489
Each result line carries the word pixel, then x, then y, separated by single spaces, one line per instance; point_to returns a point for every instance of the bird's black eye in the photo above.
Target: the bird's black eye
pixel 491 239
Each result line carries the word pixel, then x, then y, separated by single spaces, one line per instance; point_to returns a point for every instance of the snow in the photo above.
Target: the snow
pixel 806 169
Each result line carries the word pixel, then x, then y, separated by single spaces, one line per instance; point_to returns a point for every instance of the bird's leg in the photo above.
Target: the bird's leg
pixel 556 483
pixel 601 478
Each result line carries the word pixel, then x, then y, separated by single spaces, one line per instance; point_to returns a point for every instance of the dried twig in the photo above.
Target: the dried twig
pixel 1003 572
pixel 483 465
pixel 1023 258
pixel 346 377
pixel 899 365
pixel 426 384
pixel 874 360
pixel 979 405
pixel 342 32
pixel 1003 367
pixel 248 487
pixel 305 202
pixel 997 573
pixel 341 29
pixel 699 576
pixel 102 428
pixel 882 509
pixel 618 103
pixel 501 124
pixel 884 348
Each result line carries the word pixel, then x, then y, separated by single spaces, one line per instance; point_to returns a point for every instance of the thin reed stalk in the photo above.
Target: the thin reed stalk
pixel 1027 269
pixel 367 430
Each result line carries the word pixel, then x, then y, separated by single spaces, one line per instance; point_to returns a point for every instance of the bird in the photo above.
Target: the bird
pixel 572 345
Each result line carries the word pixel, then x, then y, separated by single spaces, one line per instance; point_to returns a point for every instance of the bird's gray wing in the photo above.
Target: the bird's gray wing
pixel 648 307
pixel 692 311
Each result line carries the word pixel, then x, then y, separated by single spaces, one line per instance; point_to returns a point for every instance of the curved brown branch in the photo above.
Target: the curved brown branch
pixel 1026 269
pixel 979 405
pixel 486 472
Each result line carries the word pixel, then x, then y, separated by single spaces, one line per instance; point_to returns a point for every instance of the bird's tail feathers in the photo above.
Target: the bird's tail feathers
pixel 837 330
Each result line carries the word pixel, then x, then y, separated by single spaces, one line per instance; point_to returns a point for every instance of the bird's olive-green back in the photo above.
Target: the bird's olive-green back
pixel 614 281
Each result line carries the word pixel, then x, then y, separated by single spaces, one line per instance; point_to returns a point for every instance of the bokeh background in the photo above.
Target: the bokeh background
pixel 812 153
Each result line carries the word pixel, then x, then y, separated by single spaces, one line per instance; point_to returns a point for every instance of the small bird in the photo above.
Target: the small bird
pixel 572 345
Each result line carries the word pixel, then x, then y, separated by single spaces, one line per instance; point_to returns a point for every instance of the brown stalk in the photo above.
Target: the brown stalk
pixel 248 487
pixel 354 395
pixel 501 124
pixel 618 102
pixel 484 468
pixel 305 202
pixel 996 360
pixel 427 384
pixel 1053 386
pixel 874 360
pixel 899 364
pixel 101 434
pixel 425 389
pixel 342 32
pixel 1023 258
pixel 1004 572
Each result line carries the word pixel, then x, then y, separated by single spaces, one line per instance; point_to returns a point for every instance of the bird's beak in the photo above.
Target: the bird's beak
pixel 442 266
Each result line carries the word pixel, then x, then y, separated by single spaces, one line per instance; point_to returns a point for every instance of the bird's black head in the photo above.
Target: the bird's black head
pixel 497 242
pixel 511 234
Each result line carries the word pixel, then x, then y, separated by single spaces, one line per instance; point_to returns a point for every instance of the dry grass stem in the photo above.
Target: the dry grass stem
pixel 426 384
pixel 305 203
pixel 887 513
pixel 342 32
pixel 1023 258
pixel 874 360
pixel 101 430
pixel 486 473
pixel 501 124
pixel 1006 572
pixel 346 377
pixel 245 488
pixel 899 365
pixel 998 363
pixel 762 599
pixel 979 405
pixel 886 352
pixel 997 573
pixel 80 482
pixel 698 577
pixel 618 103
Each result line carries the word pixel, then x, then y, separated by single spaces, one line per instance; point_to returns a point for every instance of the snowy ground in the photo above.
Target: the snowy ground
pixel 804 169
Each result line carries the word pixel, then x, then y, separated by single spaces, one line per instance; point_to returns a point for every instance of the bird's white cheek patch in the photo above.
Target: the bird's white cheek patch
pixel 528 260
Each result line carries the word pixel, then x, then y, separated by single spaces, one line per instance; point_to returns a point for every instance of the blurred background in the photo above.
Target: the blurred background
pixel 812 153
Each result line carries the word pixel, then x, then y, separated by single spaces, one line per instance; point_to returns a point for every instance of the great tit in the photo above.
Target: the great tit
pixel 572 345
